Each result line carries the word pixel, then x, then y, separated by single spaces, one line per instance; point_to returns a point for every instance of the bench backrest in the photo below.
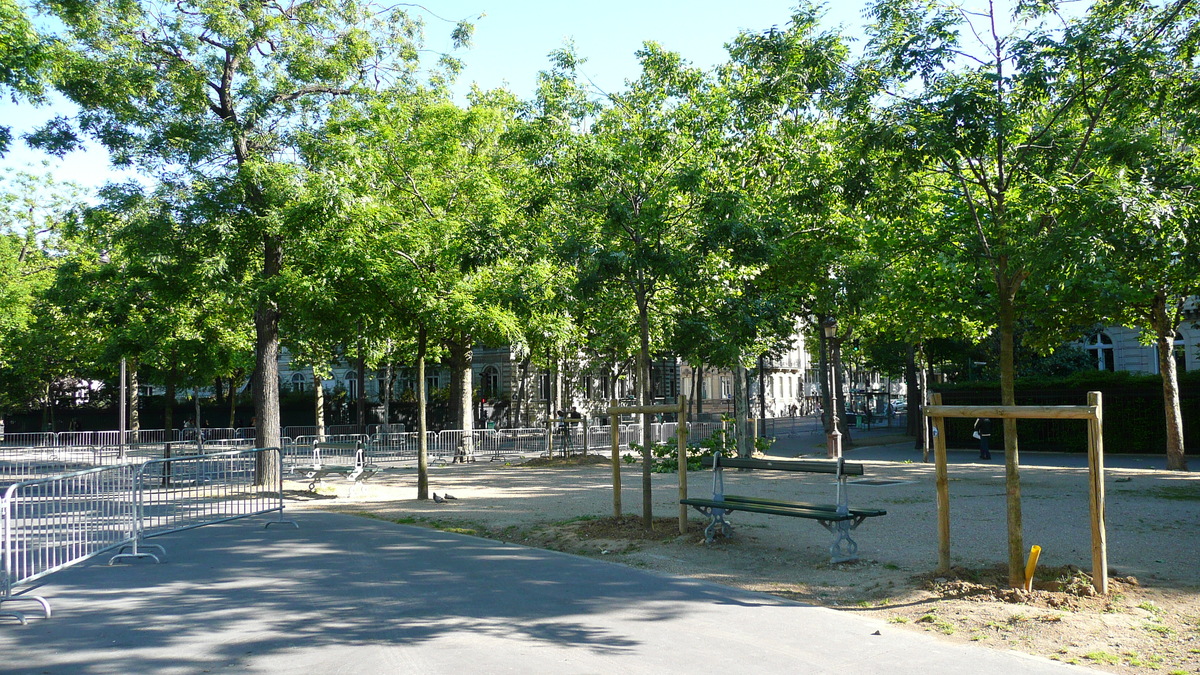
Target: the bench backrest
pixel 338 453
pixel 805 465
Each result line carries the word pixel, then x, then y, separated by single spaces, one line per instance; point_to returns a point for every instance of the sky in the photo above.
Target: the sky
pixel 511 43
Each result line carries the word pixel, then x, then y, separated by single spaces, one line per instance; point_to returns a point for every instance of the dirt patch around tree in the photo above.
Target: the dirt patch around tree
pixel 1148 623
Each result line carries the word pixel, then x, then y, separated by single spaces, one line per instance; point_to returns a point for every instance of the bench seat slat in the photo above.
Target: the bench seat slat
pixel 866 513
pixel 812 514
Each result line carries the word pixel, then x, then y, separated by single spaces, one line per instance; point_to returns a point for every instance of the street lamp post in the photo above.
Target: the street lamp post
pixel 834 438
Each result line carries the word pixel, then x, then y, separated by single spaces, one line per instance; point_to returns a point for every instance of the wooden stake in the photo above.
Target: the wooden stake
pixel 943 488
pixel 614 426
pixel 681 433
pixel 1096 493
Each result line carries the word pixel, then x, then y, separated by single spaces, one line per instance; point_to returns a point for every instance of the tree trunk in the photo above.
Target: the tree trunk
pixel 135 418
pixel 697 374
pixel 233 380
pixel 823 377
pixel 462 358
pixel 360 406
pixel 422 421
pixel 643 382
pixel 266 350
pixel 741 410
pixel 386 394
pixel 522 393
pixel 1164 331
pixel 266 354
pixel 762 395
pixel 924 440
pixel 913 395
pixel 1016 540
pixel 319 403
pixel 169 404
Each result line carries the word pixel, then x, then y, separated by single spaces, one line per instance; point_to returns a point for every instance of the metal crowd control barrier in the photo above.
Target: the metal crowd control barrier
pixel 31 440
pixel 182 493
pixel 19 464
pixel 518 442
pixel 48 524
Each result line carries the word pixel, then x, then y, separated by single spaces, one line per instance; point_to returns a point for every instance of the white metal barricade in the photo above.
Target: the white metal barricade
pixel 30 439
pixel 396 448
pixel 51 523
pixel 182 493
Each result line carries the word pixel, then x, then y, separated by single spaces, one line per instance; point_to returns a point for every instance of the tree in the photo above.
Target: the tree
pixel 37 343
pixel 1008 121
pixel 435 244
pixel 775 225
pixel 220 92
pixel 146 276
pixel 25 58
pixel 630 184
pixel 1146 259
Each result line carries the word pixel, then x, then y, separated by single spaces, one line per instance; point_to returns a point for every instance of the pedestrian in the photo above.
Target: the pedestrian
pixel 983 431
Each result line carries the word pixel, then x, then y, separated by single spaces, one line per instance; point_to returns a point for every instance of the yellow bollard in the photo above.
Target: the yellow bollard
pixel 1034 553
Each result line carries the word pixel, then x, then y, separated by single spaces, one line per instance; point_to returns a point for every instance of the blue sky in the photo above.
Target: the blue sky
pixel 511 42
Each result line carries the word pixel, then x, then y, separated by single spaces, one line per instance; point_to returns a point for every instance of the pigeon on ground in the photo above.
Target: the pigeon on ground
pixel 437 499
pixel 449 496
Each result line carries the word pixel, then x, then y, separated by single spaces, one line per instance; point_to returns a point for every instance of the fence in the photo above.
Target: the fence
pixel 68 439
pixel 596 439
pixel 52 522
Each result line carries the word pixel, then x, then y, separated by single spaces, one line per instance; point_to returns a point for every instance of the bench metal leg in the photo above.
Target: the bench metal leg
pixel 716 519
pixel 843 548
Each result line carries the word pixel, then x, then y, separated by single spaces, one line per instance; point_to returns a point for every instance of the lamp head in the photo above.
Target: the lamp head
pixel 830 327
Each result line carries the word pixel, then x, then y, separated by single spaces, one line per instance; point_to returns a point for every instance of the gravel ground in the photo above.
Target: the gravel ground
pixel 1149 623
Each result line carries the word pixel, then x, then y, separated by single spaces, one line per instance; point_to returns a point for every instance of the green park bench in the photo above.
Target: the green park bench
pixel 838 518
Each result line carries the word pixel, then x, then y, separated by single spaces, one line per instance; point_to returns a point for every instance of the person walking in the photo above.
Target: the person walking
pixel 983 431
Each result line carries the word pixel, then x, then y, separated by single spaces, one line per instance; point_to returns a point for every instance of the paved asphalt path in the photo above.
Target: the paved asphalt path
pixel 346 594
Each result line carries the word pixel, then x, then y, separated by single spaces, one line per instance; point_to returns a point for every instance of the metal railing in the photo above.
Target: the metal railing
pixel 50 523
pixel 333 433
pixel 186 492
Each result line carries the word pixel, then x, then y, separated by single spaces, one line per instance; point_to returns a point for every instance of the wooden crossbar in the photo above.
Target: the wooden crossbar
pixel 1024 412
pixel 1093 413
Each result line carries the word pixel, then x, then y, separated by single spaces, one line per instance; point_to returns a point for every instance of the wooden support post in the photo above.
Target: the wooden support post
pixel 681 433
pixel 1094 415
pixel 615 427
pixel 943 488
pixel 1096 492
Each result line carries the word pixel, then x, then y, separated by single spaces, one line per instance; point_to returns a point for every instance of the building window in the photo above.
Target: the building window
pixel 544 393
pixel 298 383
pixel 352 384
pixel 726 387
pixel 1101 347
pixel 490 382
pixel 1179 352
